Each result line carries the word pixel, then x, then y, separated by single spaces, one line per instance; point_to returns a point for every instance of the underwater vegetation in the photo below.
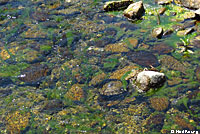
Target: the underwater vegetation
pixel 65 67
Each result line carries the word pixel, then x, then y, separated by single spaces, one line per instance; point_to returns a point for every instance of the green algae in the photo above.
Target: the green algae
pixel 95 118
pixel 45 47
pixel 110 63
pixel 70 37
pixel 124 82
pixel 7 70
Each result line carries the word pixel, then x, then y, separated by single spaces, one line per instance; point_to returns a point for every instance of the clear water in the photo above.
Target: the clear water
pixel 57 56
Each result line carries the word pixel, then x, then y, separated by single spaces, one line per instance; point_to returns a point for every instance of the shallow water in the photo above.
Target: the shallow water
pixel 58 57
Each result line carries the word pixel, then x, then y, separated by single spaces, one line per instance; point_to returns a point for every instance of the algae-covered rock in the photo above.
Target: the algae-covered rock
pixel 30 55
pixel 188 15
pixel 120 72
pixel 34 73
pixel 135 10
pixel 174 81
pixel 34 32
pixel 185 32
pixel 162 48
pixel 117 5
pixel 159 103
pixel 133 42
pixel 194 4
pixel 195 42
pixel 172 63
pixel 190 23
pixel 178 27
pixel 112 88
pixel 118 48
pixel 155 120
pixel 40 16
pixel 76 92
pixel 53 105
pixel 97 79
pixel 17 121
pixel 182 123
pixel 197 70
pixel 130 120
pixel 168 32
pixel 6 53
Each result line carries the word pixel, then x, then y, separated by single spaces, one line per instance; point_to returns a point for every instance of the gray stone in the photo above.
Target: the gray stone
pixel 135 10
pixel 148 79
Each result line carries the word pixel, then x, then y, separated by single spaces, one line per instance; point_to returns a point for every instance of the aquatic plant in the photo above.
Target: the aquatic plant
pixel 70 37
pixel 110 63
pixel 186 48
pixel 158 17
pixel 185 41
pixel 123 79
pixel 7 70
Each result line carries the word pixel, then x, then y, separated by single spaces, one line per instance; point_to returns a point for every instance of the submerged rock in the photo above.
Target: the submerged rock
pixel 145 80
pixel 40 16
pixel 128 26
pixel 195 42
pixel 116 48
pixel 185 32
pixel 117 5
pixel 168 32
pixel 190 23
pixel 17 121
pixel 75 93
pixel 53 105
pixel 97 79
pixel 112 88
pixel 162 48
pixel 159 104
pixel 182 123
pixel 143 58
pixel 155 121
pixel 172 63
pixel 192 4
pixel 135 10
pixel 178 27
pixel 34 73
pixel 133 42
